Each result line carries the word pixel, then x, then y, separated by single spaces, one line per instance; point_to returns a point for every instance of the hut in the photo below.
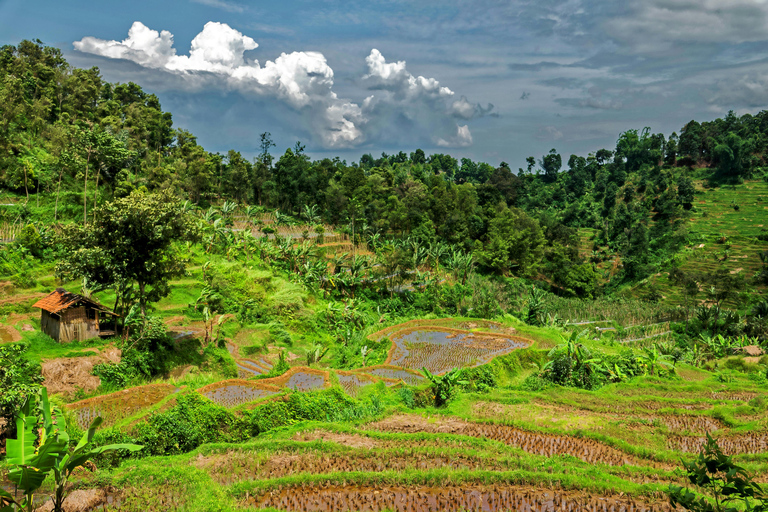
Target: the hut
pixel 67 316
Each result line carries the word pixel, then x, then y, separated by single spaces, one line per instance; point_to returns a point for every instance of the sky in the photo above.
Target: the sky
pixel 490 80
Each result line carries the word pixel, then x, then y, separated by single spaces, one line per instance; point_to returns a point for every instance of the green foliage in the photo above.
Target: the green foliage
pixel 18 379
pixel 194 420
pixel 725 487
pixel 444 386
pixel 35 453
pixel 130 247
pixel 326 405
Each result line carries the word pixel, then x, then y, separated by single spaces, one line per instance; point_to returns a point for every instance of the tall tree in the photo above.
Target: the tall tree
pixel 131 243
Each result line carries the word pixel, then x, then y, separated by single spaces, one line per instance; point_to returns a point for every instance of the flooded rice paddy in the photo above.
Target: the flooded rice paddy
pixel 234 393
pixel 440 350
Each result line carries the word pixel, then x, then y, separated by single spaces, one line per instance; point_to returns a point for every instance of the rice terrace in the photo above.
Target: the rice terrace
pixel 190 329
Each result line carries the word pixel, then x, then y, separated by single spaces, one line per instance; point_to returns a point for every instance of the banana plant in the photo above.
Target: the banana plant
pixel 32 464
pixel 443 386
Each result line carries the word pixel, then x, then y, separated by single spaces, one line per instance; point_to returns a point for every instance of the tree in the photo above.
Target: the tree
pixel 551 163
pixel 685 192
pixel 130 242
pixel 515 243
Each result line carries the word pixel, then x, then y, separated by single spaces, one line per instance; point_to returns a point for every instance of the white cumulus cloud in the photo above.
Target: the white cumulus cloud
pixel 304 81
pixel 417 102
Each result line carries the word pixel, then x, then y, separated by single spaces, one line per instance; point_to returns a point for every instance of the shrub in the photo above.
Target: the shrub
pixel 194 420
pixel 326 405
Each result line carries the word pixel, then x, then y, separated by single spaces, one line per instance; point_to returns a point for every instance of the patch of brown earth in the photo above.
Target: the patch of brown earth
pixel 537 443
pixel 232 467
pixel 351 440
pixel 21 298
pixel 584 418
pixel 492 498
pixel 66 375
pixel 81 500
pixel 120 404
pixel 9 334
pixel 752 443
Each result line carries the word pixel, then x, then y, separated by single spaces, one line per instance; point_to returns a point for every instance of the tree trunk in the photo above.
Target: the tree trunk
pixel 58 188
pixel 142 300
pixel 85 190
pixel 96 191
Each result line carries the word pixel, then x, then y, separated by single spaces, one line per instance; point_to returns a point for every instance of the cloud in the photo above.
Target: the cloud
pixel 461 139
pixel 303 80
pixel 417 102
pixel 415 107
pixel 747 90
pixel 549 133
pixel 656 25
pixel 221 4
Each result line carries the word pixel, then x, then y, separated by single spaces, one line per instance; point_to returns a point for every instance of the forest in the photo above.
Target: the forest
pixel 295 334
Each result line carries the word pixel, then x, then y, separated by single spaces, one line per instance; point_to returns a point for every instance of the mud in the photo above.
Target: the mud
pixel 119 405
pixel 234 392
pixel 81 500
pixel 322 498
pixel 351 440
pixel 67 374
pixel 537 443
pixel 9 334
pixel 233 467
pixel 752 443
pixel 440 350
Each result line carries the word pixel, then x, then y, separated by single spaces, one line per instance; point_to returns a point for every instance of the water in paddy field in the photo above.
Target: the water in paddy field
pixel 440 351
pixel 353 383
pixel 236 394
pixel 303 381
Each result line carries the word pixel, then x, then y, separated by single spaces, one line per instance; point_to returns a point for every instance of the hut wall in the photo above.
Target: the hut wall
pixel 50 324
pixel 76 324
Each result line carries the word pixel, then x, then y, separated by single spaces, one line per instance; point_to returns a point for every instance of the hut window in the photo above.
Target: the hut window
pixel 91 314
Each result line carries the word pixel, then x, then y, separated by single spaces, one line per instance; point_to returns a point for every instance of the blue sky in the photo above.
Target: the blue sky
pixel 488 79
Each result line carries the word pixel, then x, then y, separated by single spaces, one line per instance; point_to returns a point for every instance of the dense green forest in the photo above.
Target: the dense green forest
pixel 71 139
pixel 599 271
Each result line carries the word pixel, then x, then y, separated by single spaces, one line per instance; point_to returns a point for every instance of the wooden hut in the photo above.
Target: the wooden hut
pixel 67 316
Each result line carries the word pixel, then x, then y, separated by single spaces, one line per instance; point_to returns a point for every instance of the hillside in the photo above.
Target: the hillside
pixel 407 332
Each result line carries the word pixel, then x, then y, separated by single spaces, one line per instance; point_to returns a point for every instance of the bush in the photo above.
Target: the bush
pixel 326 405
pixel 193 421
pixel 535 382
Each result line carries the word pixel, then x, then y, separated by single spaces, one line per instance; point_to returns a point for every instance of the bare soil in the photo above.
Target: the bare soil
pixel 9 334
pixel 326 497
pixel 66 375
pixel 537 443
pixel 351 440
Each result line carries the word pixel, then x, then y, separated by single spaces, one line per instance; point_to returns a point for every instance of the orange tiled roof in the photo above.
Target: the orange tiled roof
pixel 60 299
